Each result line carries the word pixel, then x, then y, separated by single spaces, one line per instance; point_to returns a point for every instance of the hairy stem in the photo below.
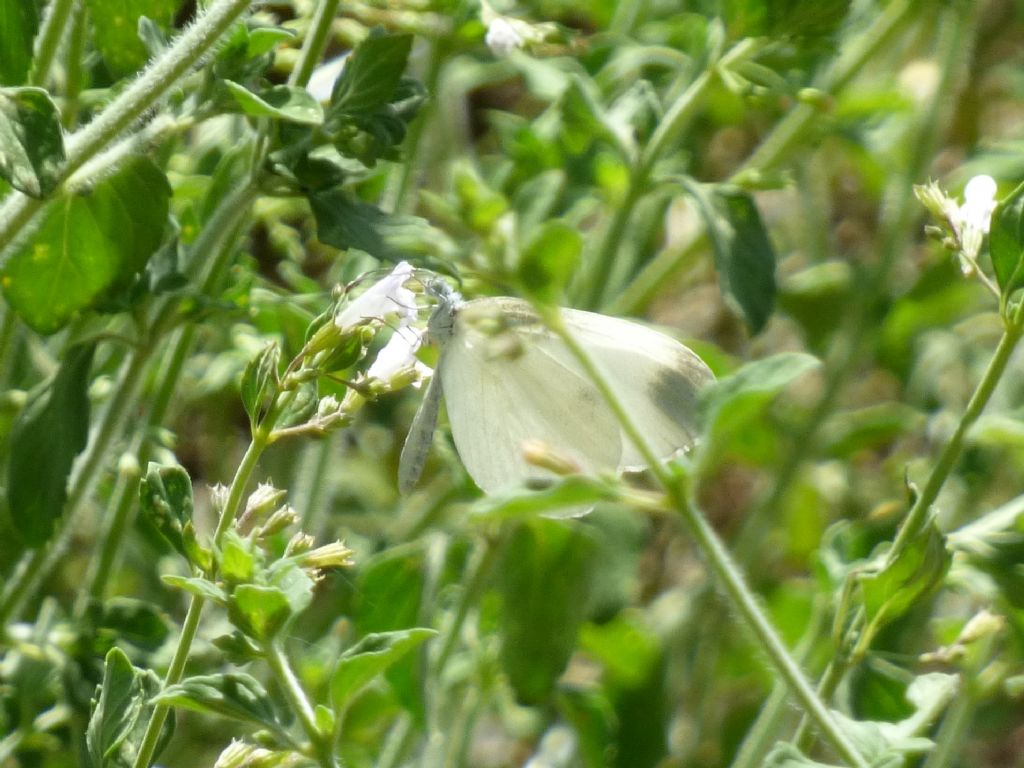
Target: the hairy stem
pixel 721 563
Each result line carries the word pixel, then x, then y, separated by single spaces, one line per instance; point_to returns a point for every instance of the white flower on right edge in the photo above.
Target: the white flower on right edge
pixel 975 215
pixel 969 221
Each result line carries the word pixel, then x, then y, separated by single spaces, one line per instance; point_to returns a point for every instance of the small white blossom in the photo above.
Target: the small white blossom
pixel 385 297
pixel 321 82
pixel 974 216
pixel 398 356
pixel 503 37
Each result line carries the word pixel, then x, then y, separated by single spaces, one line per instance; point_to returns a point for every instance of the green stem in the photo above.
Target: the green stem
pixel 126 492
pixel 759 737
pixel 726 571
pixel 315 43
pixel 195 608
pixel 48 41
pixel 956 726
pixel 951 452
pixel 174 673
pixel 918 513
pixel 664 138
pixel 140 95
pixel 789 135
pixel 292 690
pixel 74 64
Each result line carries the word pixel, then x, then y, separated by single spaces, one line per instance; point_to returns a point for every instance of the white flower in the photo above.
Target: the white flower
pixel 503 37
pixel 398 357
pixel 321 82
pixel 385 297
pixel 975 215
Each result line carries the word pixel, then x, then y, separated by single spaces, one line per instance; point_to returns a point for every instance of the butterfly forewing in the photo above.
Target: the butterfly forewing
pixel 499 398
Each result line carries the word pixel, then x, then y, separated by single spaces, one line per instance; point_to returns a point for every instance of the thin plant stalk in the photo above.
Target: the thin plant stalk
pixel 185 52
pixel 195 609
pixel 320 743
pixel 55 22
pixel 916 517
pixel 721 563
pixel 668 131
pixel 315 43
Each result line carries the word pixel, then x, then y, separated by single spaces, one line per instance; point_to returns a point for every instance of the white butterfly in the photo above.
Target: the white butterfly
pixel 508 380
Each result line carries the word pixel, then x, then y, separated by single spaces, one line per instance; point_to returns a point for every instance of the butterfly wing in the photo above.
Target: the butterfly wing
pixel 498 401
pixel 656 377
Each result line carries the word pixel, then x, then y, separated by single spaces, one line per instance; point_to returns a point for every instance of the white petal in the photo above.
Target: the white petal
pixel 385 297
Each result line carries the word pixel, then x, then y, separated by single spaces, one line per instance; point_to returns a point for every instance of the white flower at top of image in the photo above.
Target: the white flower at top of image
pixel 398 357
pixel 388 296
pixel 503 37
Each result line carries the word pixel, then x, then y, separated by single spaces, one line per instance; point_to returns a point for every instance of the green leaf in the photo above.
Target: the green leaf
pixel 45 439
pixel 19 20
pixel 549 261
pixel 571 492
pixel 237 559
pixel 544 582
pixel 87 244
pixel 371 75
pixel 897 584
pixel 345 222
pixel 370 657
pixel 743 252
pixel 281 102
pixel 259 383
pixel 31 141
pixel 234 695
pixel 734 406
pixel 115 25
pixel 121 713
pixel 390 593
pixel 260 611
pixel 584 121
pixel 165 500
pixel 1006 241
pixel 197 586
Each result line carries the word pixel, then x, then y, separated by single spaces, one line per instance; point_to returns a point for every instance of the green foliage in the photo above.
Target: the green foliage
pixel 370 657
pixel 905 578
pixel 743 252
pixel 233 695
pixel 260 384
pixel 545 570
pixel 280 102
pixel 18 23
pixel 45 439
pixel 180 208
pixel 165 500
pixel 31 141
pixel 1006 241
pixel 549 261
pixel 120 712
pixel 88 244
pixel 115 25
